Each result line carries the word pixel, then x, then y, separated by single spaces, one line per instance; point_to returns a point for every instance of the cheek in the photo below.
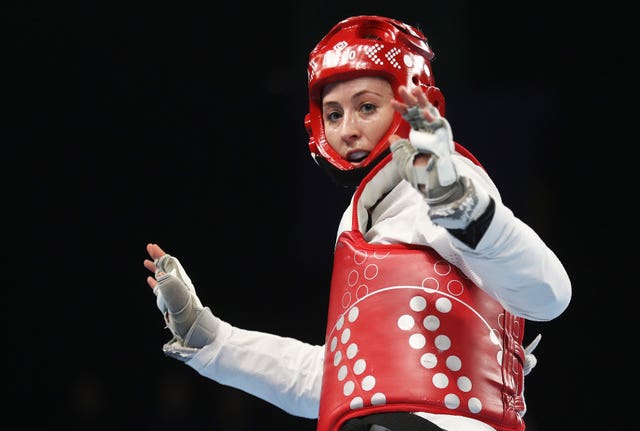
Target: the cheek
pixel 380 128
pixel 333 137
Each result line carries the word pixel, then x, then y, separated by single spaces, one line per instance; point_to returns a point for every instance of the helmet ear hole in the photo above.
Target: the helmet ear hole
pixel 436 98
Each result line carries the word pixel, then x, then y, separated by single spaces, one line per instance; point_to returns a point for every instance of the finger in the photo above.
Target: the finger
pixel 408 98
pixel 150 265
pixel 399 107
pixel 530 348
pixel 429 115
pixel 152 282
pixel 155 251
pixel 393 138
pixel 428 110
pixel 403 92
pixel 421 97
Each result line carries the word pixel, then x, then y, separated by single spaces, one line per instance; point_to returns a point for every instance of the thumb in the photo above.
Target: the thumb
pixel 393 139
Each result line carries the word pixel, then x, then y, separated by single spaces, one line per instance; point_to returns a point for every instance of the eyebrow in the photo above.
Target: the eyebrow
pixel 356 95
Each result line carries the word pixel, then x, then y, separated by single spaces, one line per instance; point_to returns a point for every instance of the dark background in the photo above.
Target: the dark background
pixel 136 123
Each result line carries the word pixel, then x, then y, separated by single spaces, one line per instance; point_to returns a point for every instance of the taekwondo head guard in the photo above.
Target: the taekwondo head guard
pixel 360 46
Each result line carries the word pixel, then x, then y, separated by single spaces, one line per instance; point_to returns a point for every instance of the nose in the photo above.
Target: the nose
pixel 350 128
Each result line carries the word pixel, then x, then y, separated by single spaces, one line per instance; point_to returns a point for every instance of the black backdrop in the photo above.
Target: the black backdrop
pixel 136 123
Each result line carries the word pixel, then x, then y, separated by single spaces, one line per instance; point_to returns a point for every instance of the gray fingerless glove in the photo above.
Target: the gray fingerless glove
pixel 192 325
pixel 454 201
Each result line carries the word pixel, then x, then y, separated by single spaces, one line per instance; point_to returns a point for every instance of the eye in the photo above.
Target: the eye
pixel 368 108
pixel 333 116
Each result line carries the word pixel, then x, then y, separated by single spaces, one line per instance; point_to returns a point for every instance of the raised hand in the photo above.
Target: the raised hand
pixel 426 160
pixel 192 325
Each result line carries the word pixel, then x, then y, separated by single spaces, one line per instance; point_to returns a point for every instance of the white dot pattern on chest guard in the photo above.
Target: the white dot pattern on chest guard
pixel 421 325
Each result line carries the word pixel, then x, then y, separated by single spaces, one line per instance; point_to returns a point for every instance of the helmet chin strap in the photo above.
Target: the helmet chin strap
pixel 352 177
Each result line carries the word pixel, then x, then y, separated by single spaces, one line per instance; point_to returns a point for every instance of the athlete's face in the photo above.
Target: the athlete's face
pixel 356 114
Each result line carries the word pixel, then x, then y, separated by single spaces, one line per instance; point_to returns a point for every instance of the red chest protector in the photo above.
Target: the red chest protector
pixel 407 331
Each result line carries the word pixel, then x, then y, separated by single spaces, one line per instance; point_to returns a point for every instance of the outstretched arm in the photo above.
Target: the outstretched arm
pixel 192 325
pixel 281 370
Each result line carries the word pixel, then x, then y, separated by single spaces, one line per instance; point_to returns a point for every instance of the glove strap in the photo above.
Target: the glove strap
pixel 202 332
pixel 472 234
pixel 175 350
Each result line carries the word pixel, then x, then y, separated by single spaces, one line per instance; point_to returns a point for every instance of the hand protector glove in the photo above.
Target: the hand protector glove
pixel 530 360
pixel 454 201
pixel 433 138
pixel 192 325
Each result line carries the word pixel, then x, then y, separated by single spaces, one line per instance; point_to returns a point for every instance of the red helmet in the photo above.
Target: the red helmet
pixel 359 46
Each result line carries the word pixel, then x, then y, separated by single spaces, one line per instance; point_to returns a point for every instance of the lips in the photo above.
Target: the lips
pixel 357 156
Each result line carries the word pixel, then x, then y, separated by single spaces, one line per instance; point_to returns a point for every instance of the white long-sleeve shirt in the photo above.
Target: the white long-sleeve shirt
pixel 510 262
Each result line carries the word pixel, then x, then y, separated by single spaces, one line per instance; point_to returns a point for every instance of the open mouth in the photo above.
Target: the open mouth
pixel 357 156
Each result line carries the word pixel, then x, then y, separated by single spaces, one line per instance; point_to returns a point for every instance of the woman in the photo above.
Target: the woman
pixel 433 275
